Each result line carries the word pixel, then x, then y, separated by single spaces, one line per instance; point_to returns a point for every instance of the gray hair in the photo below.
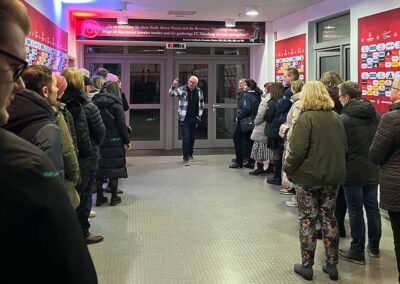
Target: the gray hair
pixel 351 89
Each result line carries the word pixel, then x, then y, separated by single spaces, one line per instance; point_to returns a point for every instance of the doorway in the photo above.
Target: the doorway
pixel 218 80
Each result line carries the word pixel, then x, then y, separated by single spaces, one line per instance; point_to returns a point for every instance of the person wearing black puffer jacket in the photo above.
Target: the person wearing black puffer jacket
pixel 75 101
pixel 385 151
pixel 112 164
pixel 360 185
pixel 247 107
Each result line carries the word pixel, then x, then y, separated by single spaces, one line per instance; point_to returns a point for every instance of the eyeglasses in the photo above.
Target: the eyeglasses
pixel 398 89
pixel 17 69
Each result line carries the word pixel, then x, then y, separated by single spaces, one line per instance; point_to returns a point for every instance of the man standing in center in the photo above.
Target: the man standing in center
pixel 191 106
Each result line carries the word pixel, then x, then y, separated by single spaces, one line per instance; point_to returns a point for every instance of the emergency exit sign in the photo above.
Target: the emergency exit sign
pixel 174 45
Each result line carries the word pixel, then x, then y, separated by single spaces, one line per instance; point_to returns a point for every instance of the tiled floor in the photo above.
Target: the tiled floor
pixel 210 224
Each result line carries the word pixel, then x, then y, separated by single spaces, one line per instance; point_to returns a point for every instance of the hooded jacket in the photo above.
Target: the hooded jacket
pixel 385 151
pixel 112 162
pixel 360 121
pixel 33 119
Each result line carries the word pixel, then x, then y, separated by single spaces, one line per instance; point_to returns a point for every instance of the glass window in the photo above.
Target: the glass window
pixel 91 49
pixel 199 70
pixel 146 49
pixel 334 29
pixel 145 124
pixel 194 51
pixel 225 123
pixel 114 68
pixel 145 83
pixel 231 51
pixel 228 76
pixel 330 63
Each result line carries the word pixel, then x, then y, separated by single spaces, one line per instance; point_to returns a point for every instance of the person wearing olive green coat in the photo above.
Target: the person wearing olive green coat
pixel 316 166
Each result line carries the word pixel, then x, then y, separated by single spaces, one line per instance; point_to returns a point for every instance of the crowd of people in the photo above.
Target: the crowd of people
pixel 321 142
pixel 64 137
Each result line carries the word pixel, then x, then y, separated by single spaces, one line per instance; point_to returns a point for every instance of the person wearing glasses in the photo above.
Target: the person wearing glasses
pixel 385 152
pixel 40 231
pixel 191 106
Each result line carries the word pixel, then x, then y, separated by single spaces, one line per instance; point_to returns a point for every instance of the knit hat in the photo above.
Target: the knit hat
pixel 61 85
pixel 112 77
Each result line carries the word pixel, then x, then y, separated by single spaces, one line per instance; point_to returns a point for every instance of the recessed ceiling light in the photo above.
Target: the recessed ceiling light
pixel 77 1
pixel 230 23
pixel 251 11
pixel 122 20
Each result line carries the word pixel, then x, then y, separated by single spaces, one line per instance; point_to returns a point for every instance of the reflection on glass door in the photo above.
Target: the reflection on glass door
pixel 201 71
pixel 145 112
pixel 114 68
pixel 227 78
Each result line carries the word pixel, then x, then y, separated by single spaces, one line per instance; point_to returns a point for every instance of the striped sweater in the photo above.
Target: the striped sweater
pixel 182 94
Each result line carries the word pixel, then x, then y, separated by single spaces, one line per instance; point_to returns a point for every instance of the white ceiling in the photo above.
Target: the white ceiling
pixel 206 10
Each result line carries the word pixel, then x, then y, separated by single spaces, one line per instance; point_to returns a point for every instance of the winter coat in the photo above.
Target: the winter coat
pixel 284 104
pixel 250 102
pixel 182 94
pixel 293 115
pixel 70 123
pixel 271 117
pixel 97 132
pixel 385 151
pixel 317 150
pixel 112 163
pixel 360 121
pixel 40 231
pixel 334 93
pixel 259 123
pixel 75 100
pixel 32 118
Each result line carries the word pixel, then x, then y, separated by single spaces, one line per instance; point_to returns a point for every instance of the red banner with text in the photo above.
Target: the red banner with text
pixel 290 52
pixel 47 43
pixel 378 56
pixel 147 30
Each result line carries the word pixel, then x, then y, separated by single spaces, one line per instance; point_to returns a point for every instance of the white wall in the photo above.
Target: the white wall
pixel 297 23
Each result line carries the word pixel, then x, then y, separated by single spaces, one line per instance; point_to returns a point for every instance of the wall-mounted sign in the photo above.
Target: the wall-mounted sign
pixel 290 52
pixel 378 56
pixel 46 44
pixel 173 31
pixel 174 45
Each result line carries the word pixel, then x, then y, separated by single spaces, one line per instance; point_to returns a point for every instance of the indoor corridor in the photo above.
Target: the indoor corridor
pixel 207 223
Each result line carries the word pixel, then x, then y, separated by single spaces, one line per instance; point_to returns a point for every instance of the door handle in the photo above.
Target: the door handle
pixel 216 105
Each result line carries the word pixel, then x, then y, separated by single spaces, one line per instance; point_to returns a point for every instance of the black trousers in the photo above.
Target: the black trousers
pixel 243 144
pixel 395 221
pixel 340 211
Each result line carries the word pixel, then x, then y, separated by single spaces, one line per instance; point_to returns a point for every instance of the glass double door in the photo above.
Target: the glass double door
pixel 218 81
pixel 142 82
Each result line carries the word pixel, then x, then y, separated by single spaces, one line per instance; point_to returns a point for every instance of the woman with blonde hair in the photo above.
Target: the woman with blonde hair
pixel 332 80
pixel 316 166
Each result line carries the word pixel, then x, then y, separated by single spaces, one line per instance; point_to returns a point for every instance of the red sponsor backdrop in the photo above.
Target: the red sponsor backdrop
pixel 290 52
pixel 378 56
pixel 46 44
pixel 45 31
pixel 107 29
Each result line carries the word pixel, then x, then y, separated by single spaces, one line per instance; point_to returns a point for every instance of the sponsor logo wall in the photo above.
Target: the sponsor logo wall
pixel 173 31
pixel 46 44
pixel 378 56
pixel 290 52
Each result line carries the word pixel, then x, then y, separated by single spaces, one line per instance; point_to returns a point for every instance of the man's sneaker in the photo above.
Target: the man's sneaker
pixel 191 159
pixel 358 258
pixel 92 214
pixel 235 166
pixel 374 252
pixel 186 162
pixel 92 239
pixel 274 180
pixel 292 203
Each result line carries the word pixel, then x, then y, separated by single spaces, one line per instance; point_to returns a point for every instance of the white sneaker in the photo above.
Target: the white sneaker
pixel 292 203
pixel 92 214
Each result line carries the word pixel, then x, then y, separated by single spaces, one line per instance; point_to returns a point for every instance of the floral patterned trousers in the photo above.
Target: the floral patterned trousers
pixel 317 204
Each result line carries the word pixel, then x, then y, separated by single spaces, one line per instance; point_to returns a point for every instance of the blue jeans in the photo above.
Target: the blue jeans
pixel 356 198
pixel 85 205
pixel 188 128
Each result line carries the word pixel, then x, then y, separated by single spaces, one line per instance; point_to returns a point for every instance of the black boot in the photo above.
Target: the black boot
pixel 332 271
pixel 100 198
pixel 115 199
pixel 259 171
pixel 270 169
pixel 305 271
